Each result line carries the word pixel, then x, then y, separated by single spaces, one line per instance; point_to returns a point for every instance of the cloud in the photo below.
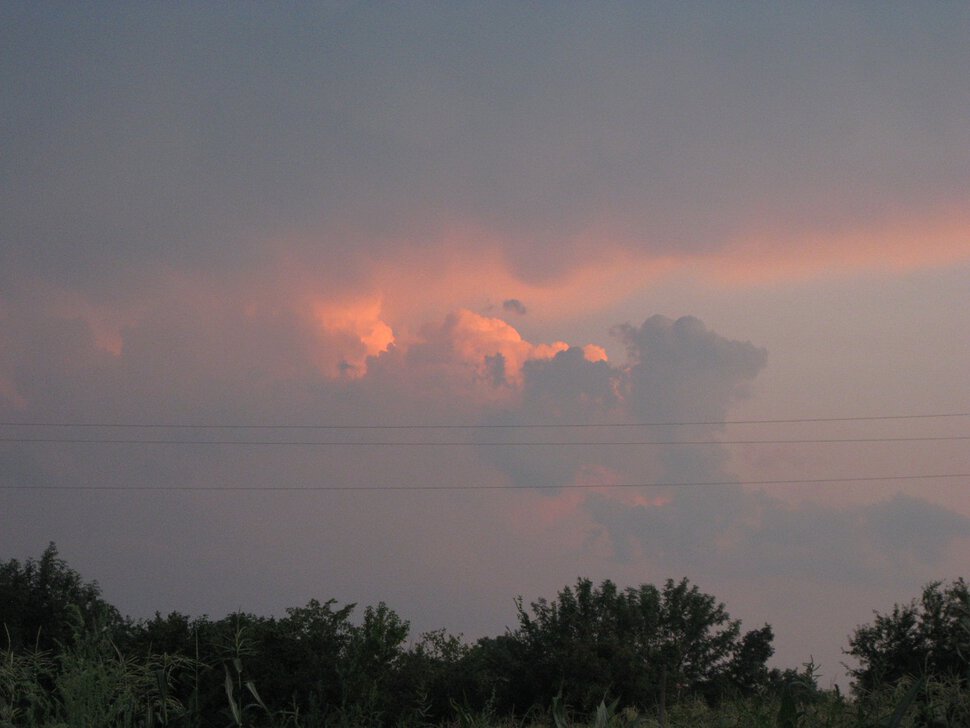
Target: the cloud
pixel 474 342
pixel 263 350
pixel 677 371
pixel 337 216
pixel 570 137
pixel 514 305
pixel 360 320
pixel 682 371
pixel 914 530
pixel 215 353
pixel 751 534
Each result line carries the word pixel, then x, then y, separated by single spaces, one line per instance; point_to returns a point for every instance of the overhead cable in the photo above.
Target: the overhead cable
pixel 472 443
pixel 520 488
pixel 417 426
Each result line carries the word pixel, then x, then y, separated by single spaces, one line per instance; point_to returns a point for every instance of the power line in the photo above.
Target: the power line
pixel 472 443
pixel 686 423
pixel 568 486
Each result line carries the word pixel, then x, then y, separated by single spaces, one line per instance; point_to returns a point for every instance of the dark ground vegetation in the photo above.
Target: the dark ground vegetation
pixel 594 655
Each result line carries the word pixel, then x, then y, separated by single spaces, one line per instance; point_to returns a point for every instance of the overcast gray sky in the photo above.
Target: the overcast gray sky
pixel 488 214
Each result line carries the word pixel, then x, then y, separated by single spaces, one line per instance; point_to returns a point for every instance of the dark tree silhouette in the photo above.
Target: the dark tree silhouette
pixel 925 638
pixel 44 603
pixel 641 645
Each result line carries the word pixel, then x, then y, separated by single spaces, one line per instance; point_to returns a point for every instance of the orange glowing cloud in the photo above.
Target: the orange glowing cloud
pixel 592 352
pixel 358 322
pixel 383 301
pixel 465 268
pixel 899 243
pixel 475 338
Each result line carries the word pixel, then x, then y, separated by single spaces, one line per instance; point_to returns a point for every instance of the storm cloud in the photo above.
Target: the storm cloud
pixel 369 245
pixel 556 129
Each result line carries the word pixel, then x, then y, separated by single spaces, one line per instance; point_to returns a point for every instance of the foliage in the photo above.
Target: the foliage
pixel 41 600
pixel 641 645
pixel 312 663
pixel 930 638
pixel 435 674
pixel 594 656
pixel 89 683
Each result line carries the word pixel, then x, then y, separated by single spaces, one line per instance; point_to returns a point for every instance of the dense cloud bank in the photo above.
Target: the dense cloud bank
pixel 185 363
pixel 186 136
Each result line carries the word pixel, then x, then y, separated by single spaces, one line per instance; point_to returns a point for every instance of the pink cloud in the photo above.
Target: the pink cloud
pixel 476 338
pixel 463 266
pixel 905 240
pixel 355 321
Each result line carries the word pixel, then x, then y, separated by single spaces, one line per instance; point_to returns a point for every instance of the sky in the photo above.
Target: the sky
pixel 466 247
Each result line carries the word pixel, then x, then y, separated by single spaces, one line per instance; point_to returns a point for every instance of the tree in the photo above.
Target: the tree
pixel 431 674
pixel 300 661
pixel 641 645
pixel 374 655
pixel 928 638
pixel 749 670
pixel 45 603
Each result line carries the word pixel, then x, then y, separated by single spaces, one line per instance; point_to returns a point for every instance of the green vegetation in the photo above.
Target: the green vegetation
pixel 931 637
pixel 594 656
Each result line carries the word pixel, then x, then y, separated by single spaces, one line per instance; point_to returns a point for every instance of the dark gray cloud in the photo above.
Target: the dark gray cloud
pixel 678 371
pixel 514 305
pixel 567 389
pixel 912 529
pixel 570 389
pixel 186 136
pixel 746 534
pixel 683 372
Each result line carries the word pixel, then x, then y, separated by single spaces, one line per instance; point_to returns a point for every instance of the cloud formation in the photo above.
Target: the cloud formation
pixel 565 145
pixel 360 215
pixel 198 357
pixel 750 534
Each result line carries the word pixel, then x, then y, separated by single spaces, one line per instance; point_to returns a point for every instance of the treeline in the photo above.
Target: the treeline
pixel 593 650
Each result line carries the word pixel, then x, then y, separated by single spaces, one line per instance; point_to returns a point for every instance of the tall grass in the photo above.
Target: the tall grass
pixel 89 684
